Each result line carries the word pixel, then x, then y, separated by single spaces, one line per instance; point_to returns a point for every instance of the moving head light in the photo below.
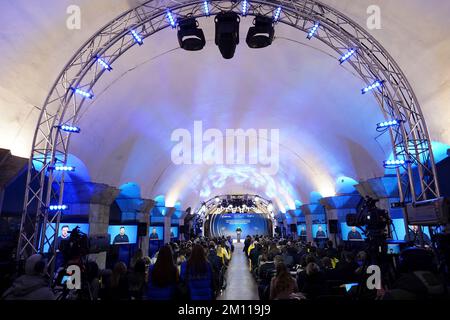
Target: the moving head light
pixel 190 37
pixel 227 33
pixel 261 35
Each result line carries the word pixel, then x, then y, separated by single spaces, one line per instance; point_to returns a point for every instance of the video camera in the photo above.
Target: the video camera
pixel 76 246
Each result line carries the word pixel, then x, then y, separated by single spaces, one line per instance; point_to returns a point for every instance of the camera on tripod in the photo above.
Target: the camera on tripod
pixel 370 217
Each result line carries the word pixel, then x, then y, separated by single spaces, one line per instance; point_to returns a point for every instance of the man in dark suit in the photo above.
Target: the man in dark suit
pixel 354 234
pixel 121 237
pixel 320 233
pixel 238 234
pixel 154 235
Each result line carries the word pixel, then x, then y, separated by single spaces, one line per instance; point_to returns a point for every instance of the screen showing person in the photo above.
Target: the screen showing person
pixel 121 234
pixel 319 231
pixel 301 230
pixel 393 248
pixel 157 233
pixel 173 232
pixel 399 232
pixel 352 233
pixel 64 233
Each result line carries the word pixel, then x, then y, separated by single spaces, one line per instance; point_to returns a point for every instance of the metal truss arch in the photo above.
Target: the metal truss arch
pixel 372 62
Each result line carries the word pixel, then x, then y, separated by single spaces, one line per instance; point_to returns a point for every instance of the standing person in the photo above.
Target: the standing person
pixel 196 273
pixel 119 282
pixel 238 234
pixel 163 276
pixel 247 243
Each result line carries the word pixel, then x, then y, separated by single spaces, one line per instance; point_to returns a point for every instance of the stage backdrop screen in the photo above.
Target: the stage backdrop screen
pixel 156 233
pixel 226 224
pixel 349 235
pixel 130 232
pixel 84 227
pixel 301 229
pixel 320 231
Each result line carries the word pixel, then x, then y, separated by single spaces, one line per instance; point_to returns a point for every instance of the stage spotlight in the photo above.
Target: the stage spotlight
pixel 190 37
pixel 62 168
pixel 137 37
pixel 69 129
pixel 392 164
pixel 227 33
pixel 58 207
pixel 244 8
pixel 206 8
pixel 313 31
pixel 171 19
pixel 82 93
pixel 387 124
pixel 261 35
pixel 270 207
pixel 104 64
pixel 373 86
pixel 347 56
pixel 276 16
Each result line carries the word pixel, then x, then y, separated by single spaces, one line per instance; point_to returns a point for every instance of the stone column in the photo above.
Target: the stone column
pixel 168 224
pixel 143 216
pixel 93 200
pixel 308 220
pixel 294 219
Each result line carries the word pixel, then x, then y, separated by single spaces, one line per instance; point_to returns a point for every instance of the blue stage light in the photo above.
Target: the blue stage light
pixel 83 93
pixel 387 124
pixel 137 37
pixel 313 30
pixel 276 16
pixel 62 168
pixel 395 163
pixel 171 19
pixel 206 7
pixel 58 207
pixel 70 128
pixel 104 64
pixel 244 7
pixel 347 56
pixel 376 84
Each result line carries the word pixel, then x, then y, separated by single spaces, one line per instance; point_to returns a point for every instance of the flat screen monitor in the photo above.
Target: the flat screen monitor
pixel 156 233
pixel 301 229
pixel 123 234
pixel 393 249
pixel 351 233
pixel 174 232
pixel 320 231
pixel 64 231
pixel 399 232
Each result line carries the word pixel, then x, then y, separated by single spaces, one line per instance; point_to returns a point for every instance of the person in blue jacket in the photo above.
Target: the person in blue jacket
pixel 197 274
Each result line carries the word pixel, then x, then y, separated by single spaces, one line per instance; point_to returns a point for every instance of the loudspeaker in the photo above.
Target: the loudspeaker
pixel 142 229
pixel 293 228
pixel 333 226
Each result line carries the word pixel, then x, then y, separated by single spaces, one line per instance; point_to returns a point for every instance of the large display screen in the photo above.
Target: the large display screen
pixel 226 224
pixel 320 231
pixel 122 234
pixel 351 233
pixel 399 232
pixel 301 229
pixel 174 232
pixel 156 233
pixel 64 231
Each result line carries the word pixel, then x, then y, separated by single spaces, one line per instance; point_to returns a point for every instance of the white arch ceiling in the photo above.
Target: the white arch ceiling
pixel 297 86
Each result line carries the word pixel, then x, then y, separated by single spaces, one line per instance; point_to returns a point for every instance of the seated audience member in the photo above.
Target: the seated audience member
pixel 346 267
pixel 32 285
pixel 418 279
pixel 197 274
pixel 288 259
pixel 282 285
pixel 163 276
pixel 93 278
pixel 118 289
pixel 314 284
pixel 136 280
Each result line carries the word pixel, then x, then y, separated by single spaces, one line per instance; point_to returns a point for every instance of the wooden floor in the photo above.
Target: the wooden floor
pixel 240 283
